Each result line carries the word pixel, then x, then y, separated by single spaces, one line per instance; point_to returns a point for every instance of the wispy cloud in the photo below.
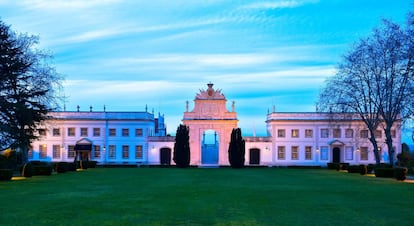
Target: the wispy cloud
pixel 65 4
pixel 277 4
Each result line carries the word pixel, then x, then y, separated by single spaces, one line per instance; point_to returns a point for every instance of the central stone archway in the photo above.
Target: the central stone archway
pixel 210 113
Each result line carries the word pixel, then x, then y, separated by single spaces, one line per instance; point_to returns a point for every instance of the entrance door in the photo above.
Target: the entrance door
pixel 336 155
pixel 165 156
pixel 209 147
pixel 254 156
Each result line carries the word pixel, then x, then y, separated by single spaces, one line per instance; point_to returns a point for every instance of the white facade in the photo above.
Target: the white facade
pixel 115 137
pixel 304 139
pixel 319 138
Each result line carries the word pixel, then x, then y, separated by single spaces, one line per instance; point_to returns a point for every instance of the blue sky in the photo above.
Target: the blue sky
pixel 126 54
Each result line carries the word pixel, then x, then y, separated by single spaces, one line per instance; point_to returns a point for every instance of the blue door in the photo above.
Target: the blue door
pixel 209 153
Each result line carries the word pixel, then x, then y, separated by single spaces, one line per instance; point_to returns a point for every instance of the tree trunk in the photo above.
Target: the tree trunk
pixel 25 155
pixel 388 141
pixel 376 153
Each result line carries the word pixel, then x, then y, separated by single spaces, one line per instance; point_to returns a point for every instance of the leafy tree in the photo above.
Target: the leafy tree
pixel 27 87
pixel 182 147
pixel 237 149
pixel 375 81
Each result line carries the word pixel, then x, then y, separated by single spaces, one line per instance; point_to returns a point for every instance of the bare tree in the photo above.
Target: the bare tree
pixel 350 91
pixel 391 51
pixel 27 85
pixel 375 80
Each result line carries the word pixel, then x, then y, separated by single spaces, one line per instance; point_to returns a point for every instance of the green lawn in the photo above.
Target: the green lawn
pixel 169 196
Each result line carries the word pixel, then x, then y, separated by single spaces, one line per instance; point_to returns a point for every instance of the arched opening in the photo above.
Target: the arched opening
pixel 209 147
pixel 165 156
pixel 254 156
pixel 336 155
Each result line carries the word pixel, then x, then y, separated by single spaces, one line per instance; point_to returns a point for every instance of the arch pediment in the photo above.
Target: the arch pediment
pixel 336 142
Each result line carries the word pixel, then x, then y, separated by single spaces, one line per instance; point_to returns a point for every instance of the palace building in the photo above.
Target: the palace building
pixel 136 138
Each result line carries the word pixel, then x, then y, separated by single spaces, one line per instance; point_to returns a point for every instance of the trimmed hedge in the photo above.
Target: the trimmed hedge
pixel 384 172
pixel 363 169
pixel 42 170
pixel 92 164
pixel 6 174
pixel 72 166
pixel 370 168
pixel 338 166
pixel 400 173
pixel 354 169
pixel 27 170
pixel 34 168
pixel 61 167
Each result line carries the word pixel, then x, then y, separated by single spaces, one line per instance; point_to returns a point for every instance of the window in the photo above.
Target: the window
pixel 96 132
pixel 349 133
pixel 336 133
pixel 84 132
pixel 295 153
pixel 308 153
pixel 97 151
pixel 281 152
pixel 56 132
pixel 295 133
pixel 138 132
pixel 363 133
pixel 324 153
pixel 364 153
pixel 349 153
pixel 56 151
pixel 281 133
pixel 42 132
pixel 42 151
pixel 393 134
pixel 125 151
pixel 308 133
pixel 71 151
pixel 138 151
pixel 378 133
pixel 112 132
pixel 112 151
pixel 125 132
pixel 71 132
pixel 324 133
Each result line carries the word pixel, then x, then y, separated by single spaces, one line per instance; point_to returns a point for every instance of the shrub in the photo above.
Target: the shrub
pixel 384 172
pixel 6 174
pixel 363 169
pixel 353 169
pixel 400 173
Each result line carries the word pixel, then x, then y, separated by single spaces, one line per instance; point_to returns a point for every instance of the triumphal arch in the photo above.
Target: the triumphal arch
pixel 210 125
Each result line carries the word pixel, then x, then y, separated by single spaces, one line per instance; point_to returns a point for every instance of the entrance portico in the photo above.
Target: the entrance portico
pixel 210 113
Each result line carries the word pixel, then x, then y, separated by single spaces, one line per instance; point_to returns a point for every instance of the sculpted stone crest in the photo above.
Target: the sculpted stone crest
pixel 210 93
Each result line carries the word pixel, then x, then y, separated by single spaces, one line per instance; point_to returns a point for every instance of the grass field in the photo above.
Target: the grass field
pixel 169 196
